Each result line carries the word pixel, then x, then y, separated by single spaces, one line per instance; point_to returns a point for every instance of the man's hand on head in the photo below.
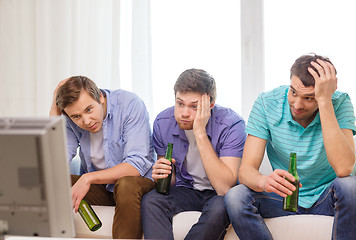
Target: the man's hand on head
pixel 325 81
pixel 202 116
pixel 54 111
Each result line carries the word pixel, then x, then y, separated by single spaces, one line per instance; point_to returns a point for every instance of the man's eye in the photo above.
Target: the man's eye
pixel 180 104
pixel 75 117
pixel 194 106
pixel 89 109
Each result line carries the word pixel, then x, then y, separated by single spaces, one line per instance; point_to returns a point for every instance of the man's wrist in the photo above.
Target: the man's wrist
pixel 199 134
pixel 88 178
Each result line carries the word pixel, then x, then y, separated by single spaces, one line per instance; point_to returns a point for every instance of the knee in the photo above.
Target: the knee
pixel 236 197
pixel 346 187
pixel 127 189
pixel 236 194
pixel 347 183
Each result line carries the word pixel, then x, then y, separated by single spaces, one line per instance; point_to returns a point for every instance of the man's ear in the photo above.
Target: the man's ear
pixel 212 104
pixel 102 99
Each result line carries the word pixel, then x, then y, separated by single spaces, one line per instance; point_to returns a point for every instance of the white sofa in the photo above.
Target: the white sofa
pixel 295 227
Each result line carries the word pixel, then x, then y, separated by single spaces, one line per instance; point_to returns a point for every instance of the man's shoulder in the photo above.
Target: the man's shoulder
pixel 120 96
pixel 340 97
pixel 276 94
pixel 166 114
pixel 224 115
pixel 272 100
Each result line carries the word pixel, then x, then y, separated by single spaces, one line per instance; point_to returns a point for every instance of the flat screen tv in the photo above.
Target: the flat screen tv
pixel 34 178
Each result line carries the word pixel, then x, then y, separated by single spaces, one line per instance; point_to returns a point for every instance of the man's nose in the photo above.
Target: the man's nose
pixel 298 103
pixel 186 112
pixel 86 119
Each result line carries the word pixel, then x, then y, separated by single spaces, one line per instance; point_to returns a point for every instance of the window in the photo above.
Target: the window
pixel 324 27
pixel 195 34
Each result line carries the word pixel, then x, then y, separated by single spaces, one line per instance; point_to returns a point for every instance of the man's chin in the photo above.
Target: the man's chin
pixel 185 126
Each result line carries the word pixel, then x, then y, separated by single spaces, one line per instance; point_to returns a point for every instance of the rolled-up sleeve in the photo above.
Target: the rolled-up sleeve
pixel 137 139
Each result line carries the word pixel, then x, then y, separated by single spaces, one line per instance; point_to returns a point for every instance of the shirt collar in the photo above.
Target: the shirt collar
pixel 109 109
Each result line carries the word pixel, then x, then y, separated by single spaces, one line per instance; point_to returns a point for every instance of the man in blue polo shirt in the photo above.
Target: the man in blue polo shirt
pixel 317 122
pixel 208 143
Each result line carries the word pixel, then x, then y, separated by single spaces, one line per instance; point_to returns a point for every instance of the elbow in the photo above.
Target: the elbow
pixel 222 191
pixel 344 171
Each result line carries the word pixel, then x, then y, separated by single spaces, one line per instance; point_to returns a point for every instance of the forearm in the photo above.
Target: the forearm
pixel 221 177
pixel 338 146
pixel 252 178
pixel 111 175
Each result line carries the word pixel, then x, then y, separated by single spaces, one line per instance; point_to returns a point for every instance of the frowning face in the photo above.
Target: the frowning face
pixel 185 109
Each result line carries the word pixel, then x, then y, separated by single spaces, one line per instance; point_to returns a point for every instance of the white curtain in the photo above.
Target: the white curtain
pixel 45 41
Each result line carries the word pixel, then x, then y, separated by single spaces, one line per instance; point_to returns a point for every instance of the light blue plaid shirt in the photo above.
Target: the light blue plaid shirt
pixel 271 119
pixel 126 135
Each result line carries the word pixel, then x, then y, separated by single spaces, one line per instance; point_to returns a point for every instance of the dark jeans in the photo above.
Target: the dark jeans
pixel 247 209
pixel 128 192
pixel 158 211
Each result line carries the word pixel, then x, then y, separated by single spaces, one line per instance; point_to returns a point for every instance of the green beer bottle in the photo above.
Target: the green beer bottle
pixel 290 203
pixel 89 216
pixel 164 184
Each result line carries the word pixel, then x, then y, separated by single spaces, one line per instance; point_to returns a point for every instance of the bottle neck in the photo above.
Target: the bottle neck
pixel 169 152
pixel 293 164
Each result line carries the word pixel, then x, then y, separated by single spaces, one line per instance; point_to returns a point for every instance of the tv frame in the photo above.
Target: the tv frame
pixel 35 185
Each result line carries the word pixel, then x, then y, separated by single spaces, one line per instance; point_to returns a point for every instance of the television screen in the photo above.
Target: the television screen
pixel 34 178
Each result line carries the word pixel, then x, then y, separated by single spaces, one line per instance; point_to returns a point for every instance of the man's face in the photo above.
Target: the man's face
pixel 87 113
pixel 303 105
pixel 185 109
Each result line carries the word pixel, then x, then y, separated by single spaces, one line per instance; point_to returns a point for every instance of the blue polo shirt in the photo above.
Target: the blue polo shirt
pixel 271 119
pixel 225 129
pixel 126 135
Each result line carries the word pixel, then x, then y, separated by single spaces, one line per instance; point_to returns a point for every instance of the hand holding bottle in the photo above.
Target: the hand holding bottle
pixel 164 183
pixel 162 168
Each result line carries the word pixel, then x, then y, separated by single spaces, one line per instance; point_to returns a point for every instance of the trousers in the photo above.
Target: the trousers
pixel 247 209
pixel 126 198
pixel 158 211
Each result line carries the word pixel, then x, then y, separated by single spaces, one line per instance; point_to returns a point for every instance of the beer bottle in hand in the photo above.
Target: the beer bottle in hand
pixel 89 216
pixel 290 203
pixel 164 184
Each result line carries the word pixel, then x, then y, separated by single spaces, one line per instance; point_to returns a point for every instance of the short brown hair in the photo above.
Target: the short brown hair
pixel 69 92
pixel 301 65
pixel 196 80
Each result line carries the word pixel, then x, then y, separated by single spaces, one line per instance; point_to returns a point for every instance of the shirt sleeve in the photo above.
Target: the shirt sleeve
pixel 138 150
pixel 157 139
pixel 344 112
pixel 233 140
